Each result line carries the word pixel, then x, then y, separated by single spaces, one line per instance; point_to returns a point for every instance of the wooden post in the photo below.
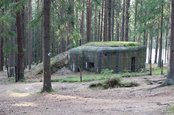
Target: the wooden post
pixel 80 67
pixel 162 67
pixel 80 73
pixel 150 67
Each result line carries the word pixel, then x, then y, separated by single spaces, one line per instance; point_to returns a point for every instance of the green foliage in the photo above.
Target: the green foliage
pixel 76 36
pixel 75 78
pixel 114 44
pixel 170 110
pixel 157 71
pixel 112 83
pixel 107 72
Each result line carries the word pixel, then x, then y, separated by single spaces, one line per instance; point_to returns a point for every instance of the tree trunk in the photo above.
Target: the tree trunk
pixel 135 22
pixel 170 75
pixel 126 32
pixel 156 50
pixel 109 33
pixel 1 54
pixel 118 20
pixel 95 27
pixel 46 46
pixel 82 22
pixel 29 35
pixel 20 46
pixel 88 21
pixel 105 33
pixel 113 20
pixel 123 21
pixel 161 40
pixel 101 26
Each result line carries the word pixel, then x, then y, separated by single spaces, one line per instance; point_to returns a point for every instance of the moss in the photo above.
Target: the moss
pixel 113 83
pixel 114 44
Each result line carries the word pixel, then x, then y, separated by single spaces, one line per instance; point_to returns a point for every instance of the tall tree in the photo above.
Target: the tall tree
pixel 170 74
pixel 126 31
pixel 161 39
pixel 105 31
pixel 88 18
pixel 123 21
pixel 1 51
pixel 46 46
pixel 29 34
pixel 20 44
pixel 109 20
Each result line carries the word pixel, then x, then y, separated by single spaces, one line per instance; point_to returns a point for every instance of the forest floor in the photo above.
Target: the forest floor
pixel 77 99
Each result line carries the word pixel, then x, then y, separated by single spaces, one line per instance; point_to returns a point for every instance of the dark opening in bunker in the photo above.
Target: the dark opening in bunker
pixel 90 65
pixel 133 64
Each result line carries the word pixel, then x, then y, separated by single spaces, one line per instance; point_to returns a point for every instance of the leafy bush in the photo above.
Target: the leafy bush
pixel 107 72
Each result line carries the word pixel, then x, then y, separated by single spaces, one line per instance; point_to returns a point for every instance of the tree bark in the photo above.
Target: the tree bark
pixel 170 74
pixel 105 33
pixel 123 21
pixel 29 35
pixel 101 25
pixel 20 46
pixel 88 21
pixel 109 33
pixel 46 46
pixel 126 32
pixel 82 22
pixel 161 40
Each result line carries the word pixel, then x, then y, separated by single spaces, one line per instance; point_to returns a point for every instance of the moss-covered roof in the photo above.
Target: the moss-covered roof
pixel 107 47
pixel 113 44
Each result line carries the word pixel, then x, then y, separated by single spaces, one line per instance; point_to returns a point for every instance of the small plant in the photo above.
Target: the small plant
pixel 107 72
pixel 115 82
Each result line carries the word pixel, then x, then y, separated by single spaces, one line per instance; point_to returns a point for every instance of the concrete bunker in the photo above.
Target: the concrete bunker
pixel 118 56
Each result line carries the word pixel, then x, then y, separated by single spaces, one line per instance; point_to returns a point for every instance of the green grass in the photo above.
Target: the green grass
pixel 157 71
pixel 170 110
pixel 106 74
pixel 114 44
pixel 85 78
pixel 94 77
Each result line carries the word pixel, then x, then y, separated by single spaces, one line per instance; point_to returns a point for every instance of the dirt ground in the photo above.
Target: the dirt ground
pixel 77 99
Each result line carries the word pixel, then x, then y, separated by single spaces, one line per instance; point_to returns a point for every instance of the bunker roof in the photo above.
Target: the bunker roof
pixel 112 46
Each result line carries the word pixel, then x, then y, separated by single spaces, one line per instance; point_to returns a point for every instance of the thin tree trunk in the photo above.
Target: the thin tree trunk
pixel 29 35
pixel 123 21
pixel 105 33
pixel 95 22
pixel 135 23
pixel 82 22
pixel 99 24
pixel 1 54
pixel 102 14
pixel 1 48
pixel 117 20
pixel 161 40
pixel 156 50
pixel 113 19
pixel 109 33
